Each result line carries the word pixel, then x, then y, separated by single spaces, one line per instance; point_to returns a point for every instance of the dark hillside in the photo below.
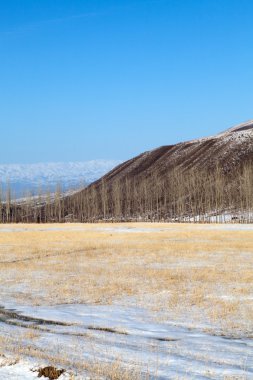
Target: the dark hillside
pixel 205 179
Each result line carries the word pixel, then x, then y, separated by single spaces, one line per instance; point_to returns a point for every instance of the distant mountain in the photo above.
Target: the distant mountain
pixel 24 178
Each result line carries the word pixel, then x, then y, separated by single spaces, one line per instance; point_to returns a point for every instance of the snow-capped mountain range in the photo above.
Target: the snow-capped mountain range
pixel 24 178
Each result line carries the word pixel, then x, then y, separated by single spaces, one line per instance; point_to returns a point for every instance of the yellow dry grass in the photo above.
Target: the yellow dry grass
pixel 193 273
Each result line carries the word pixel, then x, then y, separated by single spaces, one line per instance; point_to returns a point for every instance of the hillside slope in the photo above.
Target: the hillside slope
pixel 229 149
pixel 199 179
pixel 208 179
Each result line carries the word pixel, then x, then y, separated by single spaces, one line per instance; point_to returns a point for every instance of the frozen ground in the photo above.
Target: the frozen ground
pixel 25 370
pixel 83 297
pixel 127 228
pixel 165 350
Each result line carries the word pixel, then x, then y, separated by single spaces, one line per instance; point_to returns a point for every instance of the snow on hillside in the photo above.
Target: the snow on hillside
pixel 46 176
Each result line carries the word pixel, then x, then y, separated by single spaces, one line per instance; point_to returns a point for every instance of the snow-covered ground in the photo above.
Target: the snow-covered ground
pixel 37 329
pixel 25 370
pixel 123 228
pixel 16 370
pixel 228 216
pixel 164 350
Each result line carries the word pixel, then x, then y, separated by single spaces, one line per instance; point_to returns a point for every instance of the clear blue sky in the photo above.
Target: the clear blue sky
pixel 86 79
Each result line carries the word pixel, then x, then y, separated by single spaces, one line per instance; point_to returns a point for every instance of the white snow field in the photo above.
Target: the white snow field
pixel 108 332
pixel 65 302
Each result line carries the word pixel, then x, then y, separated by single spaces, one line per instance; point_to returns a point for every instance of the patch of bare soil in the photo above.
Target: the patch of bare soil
pixel 50 372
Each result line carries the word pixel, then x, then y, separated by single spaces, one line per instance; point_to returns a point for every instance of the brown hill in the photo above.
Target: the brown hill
pixel 207 179
pixel 229 149
pixel 175 181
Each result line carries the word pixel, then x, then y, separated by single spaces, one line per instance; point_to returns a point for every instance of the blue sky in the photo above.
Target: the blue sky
pixel 91 79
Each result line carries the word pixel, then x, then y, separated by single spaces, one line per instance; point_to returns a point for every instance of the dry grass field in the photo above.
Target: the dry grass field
pixel 195 276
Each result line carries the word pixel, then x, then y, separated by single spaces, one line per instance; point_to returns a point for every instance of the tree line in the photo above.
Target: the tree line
pixel 191 195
